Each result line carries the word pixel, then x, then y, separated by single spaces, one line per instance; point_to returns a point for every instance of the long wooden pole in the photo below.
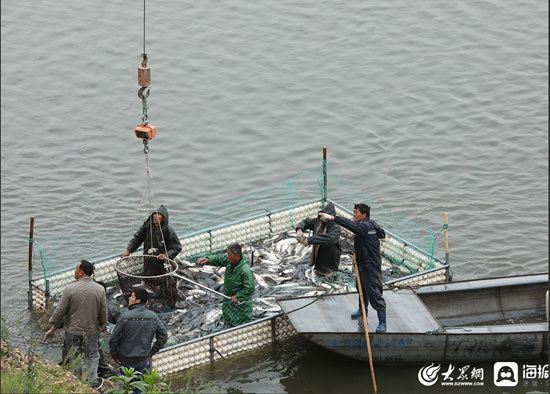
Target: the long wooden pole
pixel 324 174
pixel 365 323
pixel 446 225
pixel 31 234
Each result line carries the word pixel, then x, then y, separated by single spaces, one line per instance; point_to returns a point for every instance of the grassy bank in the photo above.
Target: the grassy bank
pixel 29 373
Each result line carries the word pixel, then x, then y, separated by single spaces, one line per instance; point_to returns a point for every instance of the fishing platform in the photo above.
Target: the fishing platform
pixel 408 257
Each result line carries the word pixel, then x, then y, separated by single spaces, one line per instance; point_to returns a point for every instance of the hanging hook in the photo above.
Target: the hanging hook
pixel 144 92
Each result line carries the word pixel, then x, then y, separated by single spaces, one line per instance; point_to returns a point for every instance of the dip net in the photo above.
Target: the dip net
pixel 136 270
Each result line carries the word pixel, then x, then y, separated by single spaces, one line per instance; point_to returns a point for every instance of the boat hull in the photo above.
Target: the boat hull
pixel 441 347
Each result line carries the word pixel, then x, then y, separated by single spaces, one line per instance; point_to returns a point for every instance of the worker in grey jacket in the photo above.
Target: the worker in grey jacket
pixel 83 307
pixel 134 332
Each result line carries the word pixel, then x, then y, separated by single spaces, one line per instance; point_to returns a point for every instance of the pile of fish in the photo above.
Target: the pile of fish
pixel 281 270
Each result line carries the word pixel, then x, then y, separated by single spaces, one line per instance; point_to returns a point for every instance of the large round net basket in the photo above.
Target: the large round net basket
pixel 149 272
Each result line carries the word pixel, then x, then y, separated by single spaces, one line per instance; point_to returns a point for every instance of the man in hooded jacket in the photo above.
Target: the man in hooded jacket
pixel 159 243
pixel 158 239
pixel 326 252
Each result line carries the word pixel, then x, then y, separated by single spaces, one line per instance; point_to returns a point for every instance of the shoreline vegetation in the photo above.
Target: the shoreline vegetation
pixel 24 372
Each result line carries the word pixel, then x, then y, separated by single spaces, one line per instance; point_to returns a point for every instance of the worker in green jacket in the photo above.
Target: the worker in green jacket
pixel 238 284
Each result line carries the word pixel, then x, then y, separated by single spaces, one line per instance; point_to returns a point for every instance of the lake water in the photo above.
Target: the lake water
pixel 426 107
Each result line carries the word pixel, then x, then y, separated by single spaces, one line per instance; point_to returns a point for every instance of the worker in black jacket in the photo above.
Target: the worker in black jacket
pixel 326 251
pixel 369 261
pixel 131 342
pixel 158 239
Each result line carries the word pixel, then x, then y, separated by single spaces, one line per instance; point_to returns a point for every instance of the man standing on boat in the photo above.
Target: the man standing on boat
pixel 131 342
pixel 158 239
pixel 326 252
pixel 369 262
pixel 83 311
pixel 238 284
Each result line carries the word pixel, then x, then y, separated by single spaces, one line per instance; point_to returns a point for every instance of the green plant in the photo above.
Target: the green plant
pixel 154 384
pixel 16 382
pixel 5 332
pixel 24 371
pixel 131 379
pixel 72 362
pixel 5 335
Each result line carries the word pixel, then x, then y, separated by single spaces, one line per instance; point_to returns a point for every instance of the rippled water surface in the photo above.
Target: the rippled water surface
pixel 425 106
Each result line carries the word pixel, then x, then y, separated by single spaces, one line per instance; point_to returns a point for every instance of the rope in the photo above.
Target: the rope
pixel 144 27
pixel 153 199
pixel 137 211
pixel 306 305
pixel 442 329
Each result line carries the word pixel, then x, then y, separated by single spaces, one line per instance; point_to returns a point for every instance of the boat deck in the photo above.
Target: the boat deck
pixel 406 313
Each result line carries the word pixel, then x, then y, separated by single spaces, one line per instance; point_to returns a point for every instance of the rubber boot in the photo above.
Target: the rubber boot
pixel 381 322
pixel 357 313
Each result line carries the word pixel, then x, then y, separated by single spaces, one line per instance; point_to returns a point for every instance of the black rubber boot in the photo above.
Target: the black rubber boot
pixel 381 322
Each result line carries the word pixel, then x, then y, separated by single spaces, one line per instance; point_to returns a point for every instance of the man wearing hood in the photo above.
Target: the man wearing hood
pixel 326 252
pixel 158 239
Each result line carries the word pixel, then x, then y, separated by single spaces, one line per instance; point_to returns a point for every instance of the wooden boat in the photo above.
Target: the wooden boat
pixel 473 320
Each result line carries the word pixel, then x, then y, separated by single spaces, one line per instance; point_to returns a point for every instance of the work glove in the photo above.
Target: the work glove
pixel 325 217
pixel 300 237
pixel 304 241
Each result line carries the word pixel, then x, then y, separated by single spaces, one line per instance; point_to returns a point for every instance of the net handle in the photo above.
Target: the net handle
pixel 202 286
pixel 174 265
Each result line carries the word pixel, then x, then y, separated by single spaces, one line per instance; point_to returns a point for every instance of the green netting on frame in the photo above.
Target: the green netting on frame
pixel 61 252
pixel 306 186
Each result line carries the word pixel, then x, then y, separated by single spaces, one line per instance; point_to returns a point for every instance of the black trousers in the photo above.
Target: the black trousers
pixel 371 284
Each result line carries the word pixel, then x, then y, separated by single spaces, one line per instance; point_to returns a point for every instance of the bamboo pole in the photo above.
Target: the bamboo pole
pixel 31 234
pixel 365 323
pixel 445 226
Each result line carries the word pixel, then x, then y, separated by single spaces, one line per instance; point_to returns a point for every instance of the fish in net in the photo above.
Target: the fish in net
pixel 150 272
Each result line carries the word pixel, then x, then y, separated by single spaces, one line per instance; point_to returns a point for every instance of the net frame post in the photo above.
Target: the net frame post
pixel 324 191
pixel 29 292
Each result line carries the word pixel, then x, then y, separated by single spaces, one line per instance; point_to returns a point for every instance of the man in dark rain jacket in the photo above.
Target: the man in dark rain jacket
pixel 158 239
pixel 131 342
pixel 238 284
pixel 326 252
pixel 369 262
